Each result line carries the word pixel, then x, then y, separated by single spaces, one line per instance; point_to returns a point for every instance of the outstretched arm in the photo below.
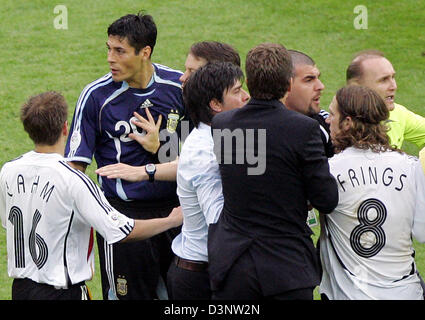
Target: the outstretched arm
pixel 144 229
pixel 164 172
pixel 78 165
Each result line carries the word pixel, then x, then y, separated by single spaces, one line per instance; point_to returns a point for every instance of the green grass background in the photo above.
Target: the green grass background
pixel 36 57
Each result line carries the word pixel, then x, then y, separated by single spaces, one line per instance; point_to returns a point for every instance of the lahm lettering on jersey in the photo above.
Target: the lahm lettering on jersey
pixel 361 176
pixel 43 189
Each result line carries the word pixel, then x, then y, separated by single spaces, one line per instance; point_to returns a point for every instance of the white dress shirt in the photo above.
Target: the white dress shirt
pixel 200 193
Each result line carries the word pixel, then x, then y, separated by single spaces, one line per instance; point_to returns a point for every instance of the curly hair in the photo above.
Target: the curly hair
pixel 368 113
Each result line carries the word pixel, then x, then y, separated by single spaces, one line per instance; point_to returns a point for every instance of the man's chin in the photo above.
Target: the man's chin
pixel 390 106
pixel 312 110
pixel 117 79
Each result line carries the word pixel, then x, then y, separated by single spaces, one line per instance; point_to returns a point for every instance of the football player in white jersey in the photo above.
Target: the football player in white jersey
pixel 366 244
pixel 49 209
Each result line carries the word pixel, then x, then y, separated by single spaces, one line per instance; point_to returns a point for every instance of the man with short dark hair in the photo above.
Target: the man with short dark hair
pixel 103 121
pixel 199 55
pixel 261 246
pixel 305 94
pixel 372 69
pixel 202 183
pixel 49 210
pixel 212 89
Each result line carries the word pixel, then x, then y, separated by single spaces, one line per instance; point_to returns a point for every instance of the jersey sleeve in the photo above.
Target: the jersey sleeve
pixel 2 200
pixel 419 218
pixel 82 136
pixel 422 158
pixel 95 210
pixel 415 128
pixel 325 132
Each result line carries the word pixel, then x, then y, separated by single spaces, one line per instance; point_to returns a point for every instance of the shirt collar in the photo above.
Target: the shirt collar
pixel 204 126
pixel 272 103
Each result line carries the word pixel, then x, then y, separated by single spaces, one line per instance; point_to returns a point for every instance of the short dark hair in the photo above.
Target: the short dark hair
pixel 213 51
pixel 206 84
pixel 268 71
pixel 367 111
pixel 300 58
pixel 139 29
pixel 43 117
pixel 355 70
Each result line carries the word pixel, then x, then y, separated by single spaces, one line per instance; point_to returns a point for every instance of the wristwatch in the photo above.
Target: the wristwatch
pixel 150 169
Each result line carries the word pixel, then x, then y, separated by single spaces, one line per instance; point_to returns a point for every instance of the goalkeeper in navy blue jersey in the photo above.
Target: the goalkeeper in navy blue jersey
pixel 103 127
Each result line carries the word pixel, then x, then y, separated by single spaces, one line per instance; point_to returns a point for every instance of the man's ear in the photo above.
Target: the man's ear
pixel 354 81
pixel 145 53
pixel 283 99
pixel 347 123
pixel 290 85
pixel 65 128
pixel 216 106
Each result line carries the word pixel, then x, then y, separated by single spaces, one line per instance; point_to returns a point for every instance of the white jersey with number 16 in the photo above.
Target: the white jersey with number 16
pixel 48 209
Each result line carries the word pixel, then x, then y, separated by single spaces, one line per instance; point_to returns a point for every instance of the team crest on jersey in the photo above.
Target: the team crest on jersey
pixel 173 121
pixel 121 286
pixel 75 140
pixel 116 219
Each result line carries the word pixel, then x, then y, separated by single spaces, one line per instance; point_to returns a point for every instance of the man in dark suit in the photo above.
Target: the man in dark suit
pixel 261 246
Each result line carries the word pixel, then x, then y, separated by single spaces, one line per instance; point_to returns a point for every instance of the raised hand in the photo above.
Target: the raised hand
pixel 150 141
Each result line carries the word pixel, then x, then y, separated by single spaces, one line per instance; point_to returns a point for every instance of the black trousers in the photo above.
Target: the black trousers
pixel 242 284
pixel 26 289
pixel 188 285
pixel 132 271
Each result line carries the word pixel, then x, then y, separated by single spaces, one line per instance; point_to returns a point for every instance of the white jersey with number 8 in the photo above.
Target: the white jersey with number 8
pixel 366 249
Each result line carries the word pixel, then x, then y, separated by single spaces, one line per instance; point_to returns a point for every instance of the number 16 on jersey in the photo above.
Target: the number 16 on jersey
pixel 35 241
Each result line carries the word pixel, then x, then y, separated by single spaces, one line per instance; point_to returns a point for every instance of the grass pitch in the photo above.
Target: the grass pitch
pixel 35 56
